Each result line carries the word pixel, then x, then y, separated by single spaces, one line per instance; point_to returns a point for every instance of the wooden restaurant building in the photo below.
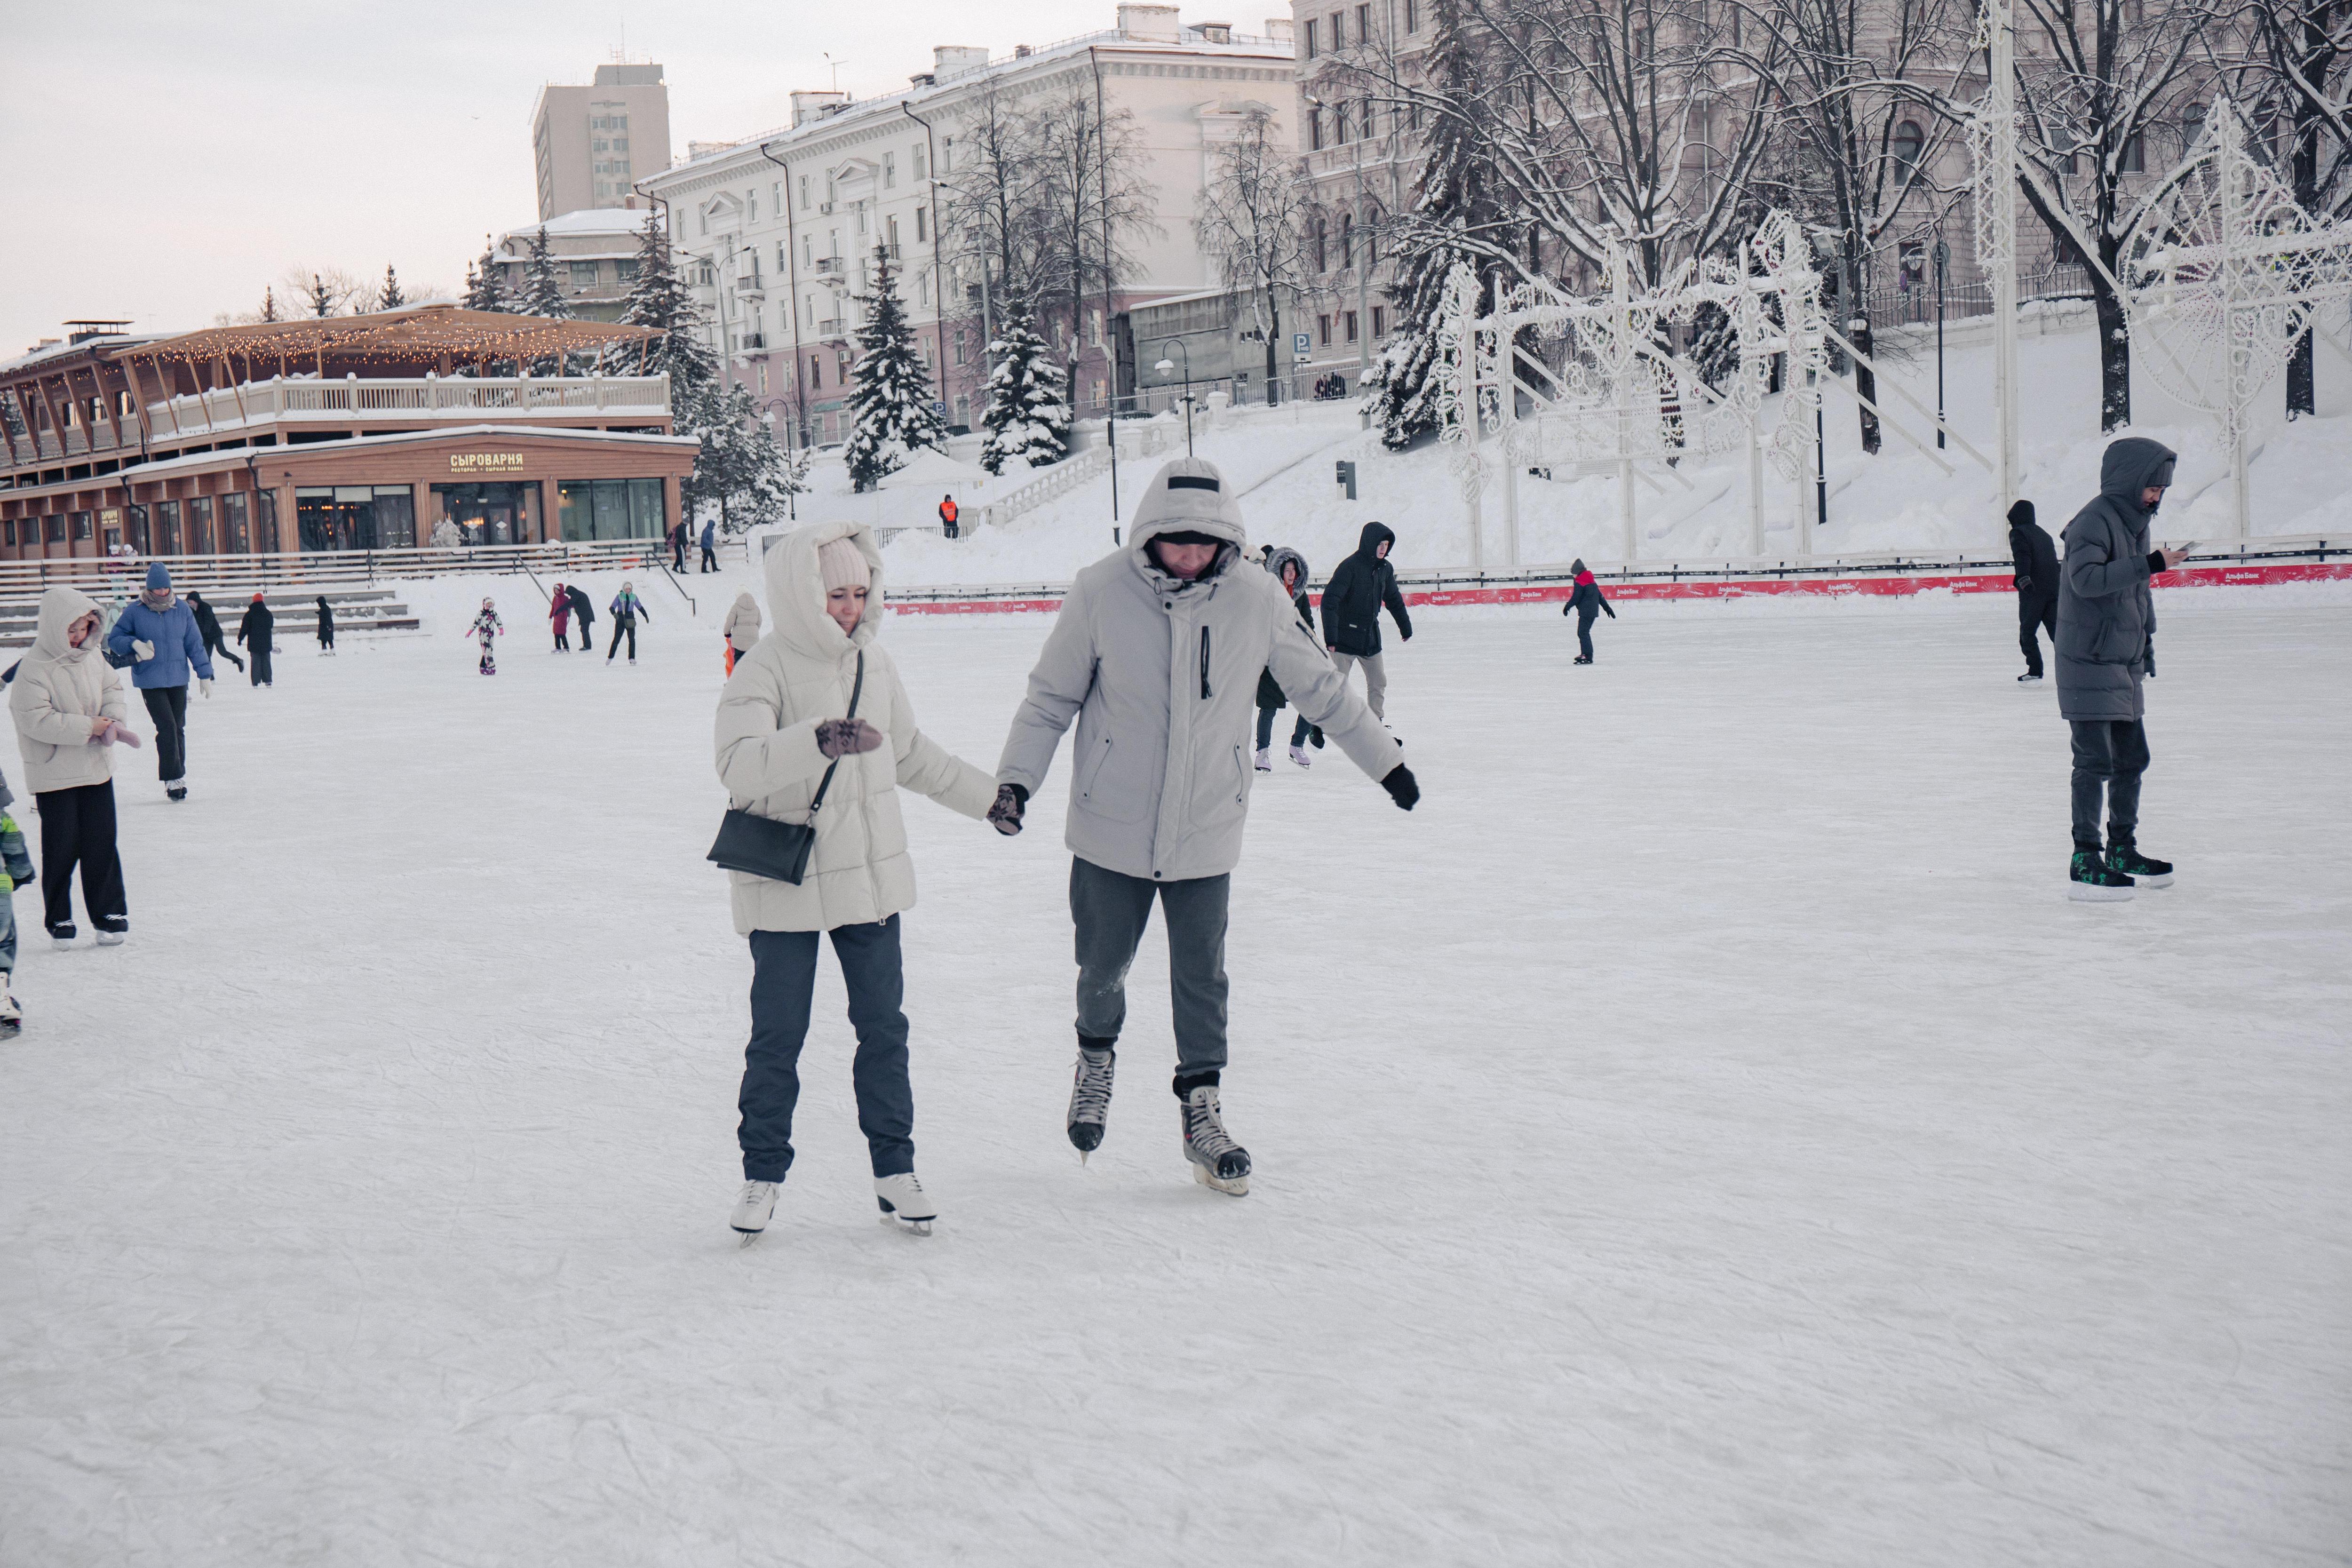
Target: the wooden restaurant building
pixel 337 434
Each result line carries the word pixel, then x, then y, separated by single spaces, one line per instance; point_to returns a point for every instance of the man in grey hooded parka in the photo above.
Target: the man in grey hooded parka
pixel 1156 654
pixel 2107 624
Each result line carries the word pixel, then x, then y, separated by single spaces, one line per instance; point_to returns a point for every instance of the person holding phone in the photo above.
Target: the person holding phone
pixel 2106 626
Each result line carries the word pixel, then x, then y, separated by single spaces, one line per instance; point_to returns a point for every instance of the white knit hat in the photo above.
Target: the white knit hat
pixel 843 565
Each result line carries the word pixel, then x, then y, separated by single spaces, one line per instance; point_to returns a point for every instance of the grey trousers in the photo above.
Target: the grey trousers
pixel 783 982
pixel 2110 755
pixel 1110 910
pixel 1376 679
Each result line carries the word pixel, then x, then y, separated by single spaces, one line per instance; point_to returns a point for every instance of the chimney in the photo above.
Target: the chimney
pixel 1150 23
pixel 1216 32
pixel 955 60
pixel 1279 29
pixel 807 104
pixel 921 79
pixel 1022 51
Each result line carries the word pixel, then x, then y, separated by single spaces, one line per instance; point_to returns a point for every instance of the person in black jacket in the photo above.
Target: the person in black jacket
pixel 1291 568
pixel 1587 602
pixel 585 613
pixel 255 632
pixel 2036 583
pixel 326 626
pixel 208 627
pixel 1352 613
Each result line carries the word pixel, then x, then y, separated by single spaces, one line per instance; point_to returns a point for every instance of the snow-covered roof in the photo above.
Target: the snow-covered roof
pixel 588 220
pixel 237 455
pixel 64 349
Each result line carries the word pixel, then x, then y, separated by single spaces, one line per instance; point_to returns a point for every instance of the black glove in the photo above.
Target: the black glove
pixel 1398 783
pixel 2024 584
pixel 1012 800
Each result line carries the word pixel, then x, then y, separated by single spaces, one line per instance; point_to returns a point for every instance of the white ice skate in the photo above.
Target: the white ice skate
pixel 1300 755
pixel 111 938
pixel 1217 1161
pixel 12 1017
pixel 753 1209
pixel 1265 760
pixel 905 1204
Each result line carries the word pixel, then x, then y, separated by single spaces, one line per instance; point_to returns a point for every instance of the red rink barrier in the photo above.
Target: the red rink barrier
pixel 1889 585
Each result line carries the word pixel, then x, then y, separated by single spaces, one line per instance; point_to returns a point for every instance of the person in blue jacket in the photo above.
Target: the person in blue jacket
pixel 157 636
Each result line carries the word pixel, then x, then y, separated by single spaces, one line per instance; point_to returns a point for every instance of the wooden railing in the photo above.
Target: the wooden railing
pixel 432 397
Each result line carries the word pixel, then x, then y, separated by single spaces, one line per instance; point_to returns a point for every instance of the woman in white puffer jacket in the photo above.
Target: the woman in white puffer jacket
pixel 783 721
pixel 70 712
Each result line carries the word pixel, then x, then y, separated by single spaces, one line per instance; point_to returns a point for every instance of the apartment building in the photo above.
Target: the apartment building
pixel 779 231
pixel 595 255
pixel 591 144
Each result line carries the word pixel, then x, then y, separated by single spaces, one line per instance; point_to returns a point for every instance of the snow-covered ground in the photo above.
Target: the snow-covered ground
pixel 1702 1133
pixel 1282 461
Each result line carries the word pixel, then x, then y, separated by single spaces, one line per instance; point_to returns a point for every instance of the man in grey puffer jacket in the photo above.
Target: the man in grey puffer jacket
pixel 2107 623
pixel 1156 654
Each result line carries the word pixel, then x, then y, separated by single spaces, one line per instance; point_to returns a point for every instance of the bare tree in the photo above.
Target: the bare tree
pixel 2299 76
pixel 1096 204
pixel 1611 124
pixel 2108 79
pixel 1251 223
pixel 997 210
pixel 1852 82
pixel 322 291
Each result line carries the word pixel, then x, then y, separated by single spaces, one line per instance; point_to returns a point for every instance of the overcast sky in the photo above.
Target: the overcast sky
pixel 167 160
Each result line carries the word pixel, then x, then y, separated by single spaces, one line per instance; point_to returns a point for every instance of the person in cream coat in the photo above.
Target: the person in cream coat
pixel 784 720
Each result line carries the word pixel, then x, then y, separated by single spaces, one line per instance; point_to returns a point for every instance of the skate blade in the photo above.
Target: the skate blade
pixel 1236 1185
pixel 11 1028
pixel 907 1227
pixel 749 1237
pixel 2085 893
pixel 2163 881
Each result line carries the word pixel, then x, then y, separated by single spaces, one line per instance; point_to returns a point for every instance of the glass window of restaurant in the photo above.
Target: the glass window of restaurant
pixel 355 517
pixel 610 509
pixel 237 531
pixel 200 525
pixel 490 513
pixel 167 527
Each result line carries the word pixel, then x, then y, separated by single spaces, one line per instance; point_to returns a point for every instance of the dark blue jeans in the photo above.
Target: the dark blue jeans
pixel 784 982
pixel 1265 729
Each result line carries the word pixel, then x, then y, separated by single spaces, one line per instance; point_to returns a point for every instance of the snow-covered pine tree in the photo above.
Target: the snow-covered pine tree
pixel 890 403
pixel 1028 415
pixel 486 288
pixel 390 296
pixel 323 298
pixel 660 298
pixel 749 475
pixel 1460 214
pixel 542 295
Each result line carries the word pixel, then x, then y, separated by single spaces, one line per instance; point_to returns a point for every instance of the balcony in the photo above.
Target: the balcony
pixel 829 266
pixel 834 327
pixel 456 399
pixel 750 288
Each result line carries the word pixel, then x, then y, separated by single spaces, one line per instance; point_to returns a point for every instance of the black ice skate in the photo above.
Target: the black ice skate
pixel 2125 858
pixel 1217 1161
pixel 1091 1099
pixel 2089 881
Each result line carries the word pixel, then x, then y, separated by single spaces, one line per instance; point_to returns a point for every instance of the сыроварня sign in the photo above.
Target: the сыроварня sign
pixel 485 462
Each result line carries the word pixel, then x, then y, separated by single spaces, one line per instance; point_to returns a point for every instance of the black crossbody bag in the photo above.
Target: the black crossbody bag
pixel 763 847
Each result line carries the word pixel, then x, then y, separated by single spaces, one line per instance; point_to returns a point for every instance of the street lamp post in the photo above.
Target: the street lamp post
pixel 1166 365
pixel 1943 259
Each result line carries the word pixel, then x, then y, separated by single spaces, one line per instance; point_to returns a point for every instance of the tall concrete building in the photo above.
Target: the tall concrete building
pixel 591 144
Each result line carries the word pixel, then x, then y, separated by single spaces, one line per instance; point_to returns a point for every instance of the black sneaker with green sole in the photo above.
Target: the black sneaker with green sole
pixel 2089 881
pixel 2126 860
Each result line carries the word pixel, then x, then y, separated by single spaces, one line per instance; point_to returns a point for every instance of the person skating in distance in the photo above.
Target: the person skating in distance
pixel 486 630
pixel 1587 602
pixel 1352 613
pixel 814 728
pixel 255 631
pixel 208 626
pixel 158 635
pixel 2107 627
pixel 585 613
pixel 2036 581
pixel 1289 569
pixel 1155 654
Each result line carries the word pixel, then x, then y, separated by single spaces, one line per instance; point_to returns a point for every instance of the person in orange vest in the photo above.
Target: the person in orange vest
pixel 948 514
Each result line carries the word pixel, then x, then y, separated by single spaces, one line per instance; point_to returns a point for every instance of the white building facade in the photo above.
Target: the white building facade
pixel 779 231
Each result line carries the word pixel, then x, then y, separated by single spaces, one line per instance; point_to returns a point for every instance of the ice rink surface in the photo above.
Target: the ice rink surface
pixel 1702 1133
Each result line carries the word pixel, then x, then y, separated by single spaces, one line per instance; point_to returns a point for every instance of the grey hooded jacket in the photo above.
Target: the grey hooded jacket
pixel 2106 614
pixel 1160 675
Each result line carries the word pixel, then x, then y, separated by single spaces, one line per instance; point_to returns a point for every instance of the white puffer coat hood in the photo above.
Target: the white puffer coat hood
pixel 58 689
pixel 802 672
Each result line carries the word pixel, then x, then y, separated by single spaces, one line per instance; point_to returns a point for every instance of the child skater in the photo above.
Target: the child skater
pixel 486 625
